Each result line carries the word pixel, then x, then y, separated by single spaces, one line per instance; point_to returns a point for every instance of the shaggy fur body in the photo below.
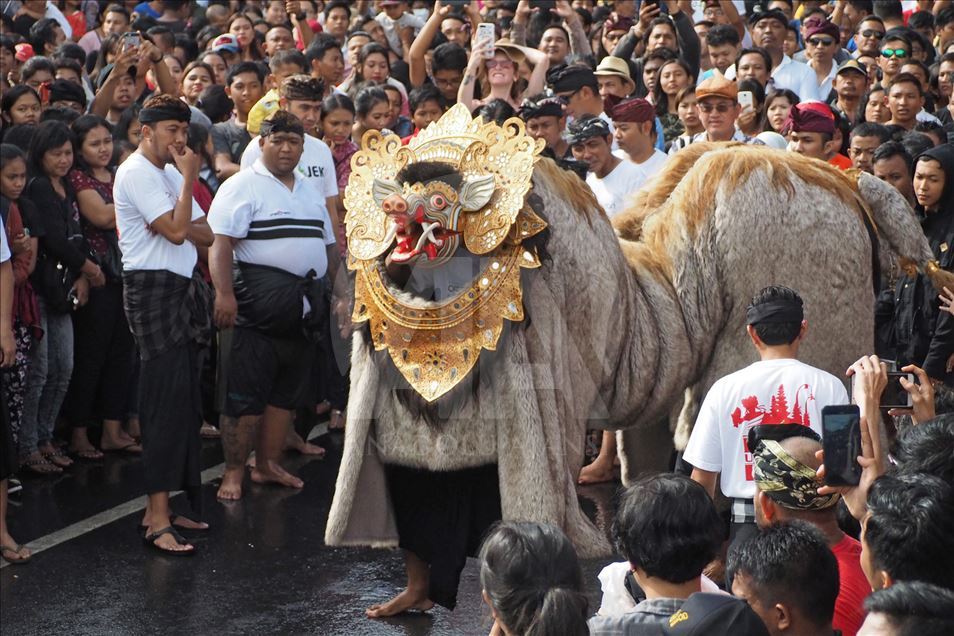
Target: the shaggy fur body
pixel 616 330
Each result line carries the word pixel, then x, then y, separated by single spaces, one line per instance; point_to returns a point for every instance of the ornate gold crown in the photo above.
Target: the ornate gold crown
pixel 436 346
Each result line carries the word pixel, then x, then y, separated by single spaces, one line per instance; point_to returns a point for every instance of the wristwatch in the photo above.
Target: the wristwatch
pixel 301 16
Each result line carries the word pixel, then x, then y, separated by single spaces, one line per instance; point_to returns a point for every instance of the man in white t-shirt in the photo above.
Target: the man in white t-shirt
pixel 273 227
pixel 776 390
pixel 636 134
pixel 166 303
pixel 301 96
pixel 612 179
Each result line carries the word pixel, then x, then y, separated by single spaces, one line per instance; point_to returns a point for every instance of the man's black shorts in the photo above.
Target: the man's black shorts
pixel 264 370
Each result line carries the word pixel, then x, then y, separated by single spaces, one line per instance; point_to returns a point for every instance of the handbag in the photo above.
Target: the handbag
pixel 55 283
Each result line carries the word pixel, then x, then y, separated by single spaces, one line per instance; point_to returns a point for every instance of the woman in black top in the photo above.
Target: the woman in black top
pixel 63 276
pixel 922 334
pixel 103 344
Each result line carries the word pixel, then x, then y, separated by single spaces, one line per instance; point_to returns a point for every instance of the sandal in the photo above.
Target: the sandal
pixel 91 454
pixel 209 432
pixel 337 420
pixel 57 457
pixel 130 449
pixel 172 520
pixel 149 540
pixel 40 465
pixel 20 560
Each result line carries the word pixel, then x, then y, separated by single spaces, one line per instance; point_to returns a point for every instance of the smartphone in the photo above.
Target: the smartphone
pixel 486 33
pixel 746 100
pixel 841 439
pixel 894 396
pixel 130 40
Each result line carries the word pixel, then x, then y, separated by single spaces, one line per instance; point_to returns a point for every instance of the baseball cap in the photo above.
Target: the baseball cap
pixel 24 52
pixel 717 86
pixel 226 42
pixel 705 614
pixel 611 66
pixel 852 64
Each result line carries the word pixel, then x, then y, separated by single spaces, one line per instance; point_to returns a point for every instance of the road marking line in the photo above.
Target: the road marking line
pixel 133 505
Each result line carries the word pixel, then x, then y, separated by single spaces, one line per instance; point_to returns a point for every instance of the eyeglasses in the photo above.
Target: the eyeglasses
pixel 871 33
pixel 721 107
pixel 566 97
pixel 898 53
pixel 821 41
pixel 492 64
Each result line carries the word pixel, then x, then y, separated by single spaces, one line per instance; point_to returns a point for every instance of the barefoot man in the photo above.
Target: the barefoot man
pixel 274 243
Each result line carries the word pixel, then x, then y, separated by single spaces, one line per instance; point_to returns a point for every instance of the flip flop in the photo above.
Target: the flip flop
pixel 5 549
pixel 150 541
pixel 209 432
pixel 57 452
pixel 41 466
pixel 181 528
pixel 88 454
pixel 127 449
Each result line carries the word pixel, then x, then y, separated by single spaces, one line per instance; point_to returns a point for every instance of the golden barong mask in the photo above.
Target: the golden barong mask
pixel 477 203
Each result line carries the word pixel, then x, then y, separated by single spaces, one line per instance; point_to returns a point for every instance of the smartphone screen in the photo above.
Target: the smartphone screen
pixel 841 439
pixel 130 40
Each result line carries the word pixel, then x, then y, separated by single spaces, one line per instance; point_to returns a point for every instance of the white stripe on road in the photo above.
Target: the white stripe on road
pixel 134 505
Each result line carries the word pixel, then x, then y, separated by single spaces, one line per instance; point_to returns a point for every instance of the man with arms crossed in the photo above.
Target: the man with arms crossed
pixel 167 305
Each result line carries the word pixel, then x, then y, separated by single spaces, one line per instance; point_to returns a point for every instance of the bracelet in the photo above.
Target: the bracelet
pixel 156 61
pixel 301 16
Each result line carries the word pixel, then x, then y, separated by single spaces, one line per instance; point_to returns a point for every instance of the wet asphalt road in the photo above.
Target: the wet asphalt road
pixel 262 569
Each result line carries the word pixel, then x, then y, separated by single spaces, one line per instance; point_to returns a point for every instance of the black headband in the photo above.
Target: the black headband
pixel 271 126
pixel 774 311
pixel 164 113
pixel 546 107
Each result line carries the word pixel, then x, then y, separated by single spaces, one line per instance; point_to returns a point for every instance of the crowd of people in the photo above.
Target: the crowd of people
pixel 172 197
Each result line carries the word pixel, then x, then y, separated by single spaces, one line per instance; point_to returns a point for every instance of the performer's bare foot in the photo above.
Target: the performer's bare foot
pixel 403 602
pixel 231 487
pixel 597 473
pixel 266 472
pixel 294 441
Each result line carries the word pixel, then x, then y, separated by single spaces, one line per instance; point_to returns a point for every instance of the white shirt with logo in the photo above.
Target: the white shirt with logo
pixel 142 193
pixel 277 227
pixel 316 164
pixel 766 392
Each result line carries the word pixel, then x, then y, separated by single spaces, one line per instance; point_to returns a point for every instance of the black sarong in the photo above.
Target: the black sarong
pixel 169 315
pixel 442 517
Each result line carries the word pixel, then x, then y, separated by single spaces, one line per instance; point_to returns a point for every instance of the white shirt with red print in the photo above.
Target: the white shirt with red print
pixel 767 392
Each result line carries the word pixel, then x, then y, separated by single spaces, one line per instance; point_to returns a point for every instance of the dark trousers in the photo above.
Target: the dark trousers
pixel 102 359
pixel 170 415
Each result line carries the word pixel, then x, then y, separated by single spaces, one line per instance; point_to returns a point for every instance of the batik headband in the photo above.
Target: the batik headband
pixel 789 482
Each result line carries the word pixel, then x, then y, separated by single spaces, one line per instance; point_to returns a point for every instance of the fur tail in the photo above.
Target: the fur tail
pixel 898 228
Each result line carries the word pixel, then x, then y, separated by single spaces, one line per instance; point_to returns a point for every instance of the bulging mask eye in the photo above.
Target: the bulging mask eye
pixel 438 202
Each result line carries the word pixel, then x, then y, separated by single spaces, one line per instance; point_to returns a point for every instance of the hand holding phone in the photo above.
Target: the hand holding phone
pixel 131 40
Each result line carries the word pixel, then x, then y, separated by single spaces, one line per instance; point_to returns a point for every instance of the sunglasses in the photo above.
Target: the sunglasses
pixel 498 64
pixel 721 107
pixel 821 41
pixel 898 53
pixel 870 33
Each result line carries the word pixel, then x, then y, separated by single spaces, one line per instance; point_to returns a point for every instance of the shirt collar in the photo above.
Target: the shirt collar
pixel 659 606
pixel 259 168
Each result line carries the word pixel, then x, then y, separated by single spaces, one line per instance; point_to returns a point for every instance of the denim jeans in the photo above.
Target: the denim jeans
pixel 51 365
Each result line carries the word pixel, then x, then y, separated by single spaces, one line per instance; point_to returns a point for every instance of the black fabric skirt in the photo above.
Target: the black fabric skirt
pixel 170 416
pixel 442 517
pixel 8 454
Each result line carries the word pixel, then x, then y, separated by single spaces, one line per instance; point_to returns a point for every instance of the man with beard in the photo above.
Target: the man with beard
pixel 270 222
pixel 851 81
pixel 167 305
